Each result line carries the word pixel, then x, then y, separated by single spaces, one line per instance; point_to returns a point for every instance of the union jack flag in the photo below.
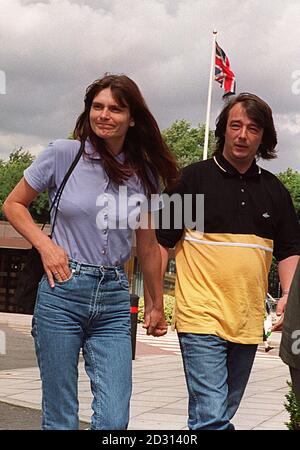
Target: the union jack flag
pixel 223 73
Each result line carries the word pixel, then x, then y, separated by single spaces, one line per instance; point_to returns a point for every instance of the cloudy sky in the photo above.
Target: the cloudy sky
pixel 50 50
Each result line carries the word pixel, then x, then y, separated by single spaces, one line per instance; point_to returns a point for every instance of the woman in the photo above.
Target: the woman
pixel 83 299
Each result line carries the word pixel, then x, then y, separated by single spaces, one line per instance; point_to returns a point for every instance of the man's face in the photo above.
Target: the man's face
pixel 242 138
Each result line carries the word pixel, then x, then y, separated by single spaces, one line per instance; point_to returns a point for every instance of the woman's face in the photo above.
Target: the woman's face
pixel 109 120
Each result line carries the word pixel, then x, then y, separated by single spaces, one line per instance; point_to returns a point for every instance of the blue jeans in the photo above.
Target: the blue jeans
pixel 90 311
pixel 216 373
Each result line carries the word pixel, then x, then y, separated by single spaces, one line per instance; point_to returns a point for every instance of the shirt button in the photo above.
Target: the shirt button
pixel 104 231
pixel 103 252
pixel 242 190
pixel 243 203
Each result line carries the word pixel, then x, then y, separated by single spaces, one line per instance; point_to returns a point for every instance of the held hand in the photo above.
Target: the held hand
pixel 55 262
pixel 148 306
pixel 155 322
pixel 280 313
pixel 278 325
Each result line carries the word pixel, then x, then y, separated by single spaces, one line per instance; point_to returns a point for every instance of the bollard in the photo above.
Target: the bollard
pixel 134 309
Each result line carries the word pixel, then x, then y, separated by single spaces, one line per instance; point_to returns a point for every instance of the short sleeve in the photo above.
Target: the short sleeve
pixel 40 174
pixel 168 232
pixel 287 237
pixel 153 202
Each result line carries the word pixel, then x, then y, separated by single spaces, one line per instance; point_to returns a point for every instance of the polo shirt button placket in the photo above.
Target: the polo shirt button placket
pixel 243 193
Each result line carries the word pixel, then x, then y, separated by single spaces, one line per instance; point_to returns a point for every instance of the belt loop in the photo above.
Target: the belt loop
pixel 77 268
pixel 117 273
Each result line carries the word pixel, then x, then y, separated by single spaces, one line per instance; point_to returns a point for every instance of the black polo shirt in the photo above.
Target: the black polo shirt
pixel 222 270
pixel 253 203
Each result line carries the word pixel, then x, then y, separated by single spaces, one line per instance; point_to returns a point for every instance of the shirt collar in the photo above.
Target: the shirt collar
pixel 225 166
pixel 90 151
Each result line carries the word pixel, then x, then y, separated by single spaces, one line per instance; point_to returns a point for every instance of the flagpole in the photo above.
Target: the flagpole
pixel 211 77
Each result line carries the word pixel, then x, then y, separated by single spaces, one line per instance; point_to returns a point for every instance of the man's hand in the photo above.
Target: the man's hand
pixel 280 313
pixel 154 321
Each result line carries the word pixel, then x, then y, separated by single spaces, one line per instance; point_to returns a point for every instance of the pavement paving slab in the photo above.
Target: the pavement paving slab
pixel 159 400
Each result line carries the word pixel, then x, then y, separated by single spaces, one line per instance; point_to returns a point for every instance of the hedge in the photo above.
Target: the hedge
pixel 168 306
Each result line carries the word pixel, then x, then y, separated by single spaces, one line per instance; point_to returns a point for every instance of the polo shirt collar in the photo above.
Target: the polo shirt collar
pixel 225 166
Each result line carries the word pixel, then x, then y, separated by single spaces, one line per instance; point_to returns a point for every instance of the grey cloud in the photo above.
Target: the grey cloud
pixel 51 50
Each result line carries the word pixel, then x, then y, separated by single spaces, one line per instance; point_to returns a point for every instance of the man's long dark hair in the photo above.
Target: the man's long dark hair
pixel 258 111
pixel 146 153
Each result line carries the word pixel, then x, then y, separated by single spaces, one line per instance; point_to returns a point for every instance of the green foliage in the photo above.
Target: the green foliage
pixel 187 142
pixel 291 179
pixel 71 135
pixel 273 286
pixel 168 307
pixel 20 156
pixel 11 172
pixel 292 408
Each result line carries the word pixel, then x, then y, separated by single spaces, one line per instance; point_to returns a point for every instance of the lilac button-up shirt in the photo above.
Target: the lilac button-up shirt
pixel 96 218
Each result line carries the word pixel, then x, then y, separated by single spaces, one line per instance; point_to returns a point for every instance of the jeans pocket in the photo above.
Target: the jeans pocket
pixel 123 281
pixel 60 283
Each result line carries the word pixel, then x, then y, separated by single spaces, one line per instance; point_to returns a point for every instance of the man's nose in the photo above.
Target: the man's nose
pixel 243 133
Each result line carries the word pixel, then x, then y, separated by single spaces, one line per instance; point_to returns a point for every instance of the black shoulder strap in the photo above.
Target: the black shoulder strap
pixel 62 185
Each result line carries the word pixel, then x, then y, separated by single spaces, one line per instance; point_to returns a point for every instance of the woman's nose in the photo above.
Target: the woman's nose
pixel 104 113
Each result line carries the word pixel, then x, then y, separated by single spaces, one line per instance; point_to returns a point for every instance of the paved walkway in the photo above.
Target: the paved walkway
pixel 159 400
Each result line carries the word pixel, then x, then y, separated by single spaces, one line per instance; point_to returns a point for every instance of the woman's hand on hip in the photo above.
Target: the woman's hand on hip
pixel 55 262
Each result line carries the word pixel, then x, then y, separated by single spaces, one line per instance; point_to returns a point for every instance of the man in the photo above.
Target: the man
pixel 290 341
pixel 222 271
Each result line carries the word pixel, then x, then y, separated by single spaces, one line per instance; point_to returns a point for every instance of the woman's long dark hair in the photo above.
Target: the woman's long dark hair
pixel 146 153
pixel 258 111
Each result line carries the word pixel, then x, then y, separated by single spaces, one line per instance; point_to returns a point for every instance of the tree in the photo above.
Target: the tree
pixel 10 174
pixel 21 156
pixel 187 142
pixel 291 179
